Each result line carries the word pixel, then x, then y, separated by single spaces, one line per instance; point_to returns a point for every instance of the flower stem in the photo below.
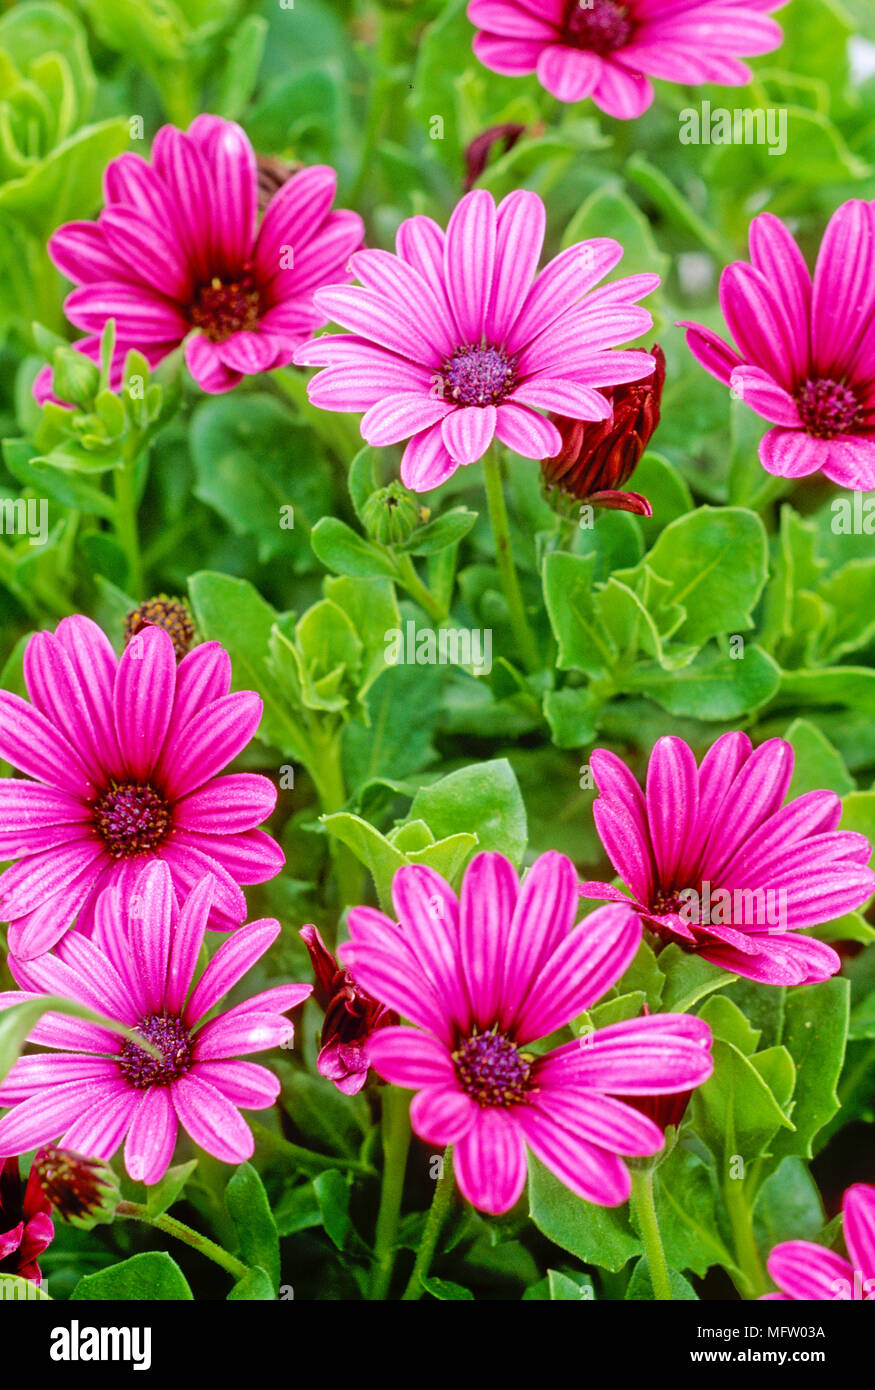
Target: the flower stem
pixel 126 530
pixel 410 580
pixel 506 568
pixel 440 1205
pixel 327 774
pixel 746 1251
pixel 645 1207
pixel 396 1142
pixel 135 1211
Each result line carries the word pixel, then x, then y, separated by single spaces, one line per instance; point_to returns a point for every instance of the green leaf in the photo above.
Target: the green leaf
pixel 245 48
pixel 444 1290
pixel 640 1286
pixel 814 1033
pixel 13 1289
pixel 728 1022
pixel 787 1206
pixel 254 1287
pixel 484 800
pixel 714 687
pixel 596 1235
pixel 149 1277
pixel 370 847
pixel 232 611
pixel 249 1209
pixel 332 1194
pixel 817 765
pixel 262 471
pixel 688 978
pixel 346 552
pixel 735 1112
pixel 164 1193
pixel 445 530
pixel 715 563
pixel 691 1217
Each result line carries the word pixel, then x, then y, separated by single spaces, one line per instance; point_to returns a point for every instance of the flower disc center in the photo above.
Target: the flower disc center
pixel 827 407
pixel 131 818
pixel 224 307
pixel 602 26
pixel 140 1069
pixel 492 1070
pixel 479 375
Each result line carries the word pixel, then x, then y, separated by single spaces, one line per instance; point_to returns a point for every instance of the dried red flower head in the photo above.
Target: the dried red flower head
pixel 272 173
pixel 665 1111
pixel 478 152
pixel 25 1222
pixel 170 613
pixel 351 1017
pixel 598 458
pixel 84 1191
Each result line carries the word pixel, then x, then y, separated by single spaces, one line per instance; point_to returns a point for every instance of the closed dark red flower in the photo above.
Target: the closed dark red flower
pixel 351 1017
pixel 25 1223
pixel 478 152
pixel 598 457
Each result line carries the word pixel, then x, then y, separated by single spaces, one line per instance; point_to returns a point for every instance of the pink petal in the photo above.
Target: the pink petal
pixel 490 1162
pixel 212 1121
pixel 152 1136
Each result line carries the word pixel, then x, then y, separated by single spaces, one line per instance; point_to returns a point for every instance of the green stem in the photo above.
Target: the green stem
pixel 126 530
pixel 410 580
pixel 325 769
pixel 134 1211
pixel 645 1207
pixel 396 1142
pixel 504 558
pixel 747 1253
pixel 440 1205
pixel 307 1159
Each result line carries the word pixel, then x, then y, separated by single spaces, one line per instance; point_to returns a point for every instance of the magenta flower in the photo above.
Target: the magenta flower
pixel 806 348
pixel 805 1271
pixel 483 978
pixel 716 863
pixel 178 254
pixel 608 49
pixel 101 1090
pixel 454 340
pixel 26 1228
pixel 124 754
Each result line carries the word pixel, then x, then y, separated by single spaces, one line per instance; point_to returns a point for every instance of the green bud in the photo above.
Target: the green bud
pixel 84 1191
pixel 392 514
pixel 75 379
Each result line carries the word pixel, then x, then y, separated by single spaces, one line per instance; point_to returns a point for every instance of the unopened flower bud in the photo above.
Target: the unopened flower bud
pixel 351 1017
pixel 598 457
pixel 84 1191
pixel 391 514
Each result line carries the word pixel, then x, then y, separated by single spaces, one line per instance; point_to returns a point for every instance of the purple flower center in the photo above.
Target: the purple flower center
pixel 224 307
pixel 479 375
pixel 602 26
pixel 492 1070
pixel 826 407
pixel 666 900
pixel 131 818
pixel 170 1036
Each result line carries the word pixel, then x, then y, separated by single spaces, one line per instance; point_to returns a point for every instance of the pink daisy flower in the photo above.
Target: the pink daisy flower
pixel 178 254
pixel 455 340
pixel 608 49
pixel 805 358
pixel 101 1090
pixel 716 863
pixel 124 756
pixel 482 979
pixel 805 1271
